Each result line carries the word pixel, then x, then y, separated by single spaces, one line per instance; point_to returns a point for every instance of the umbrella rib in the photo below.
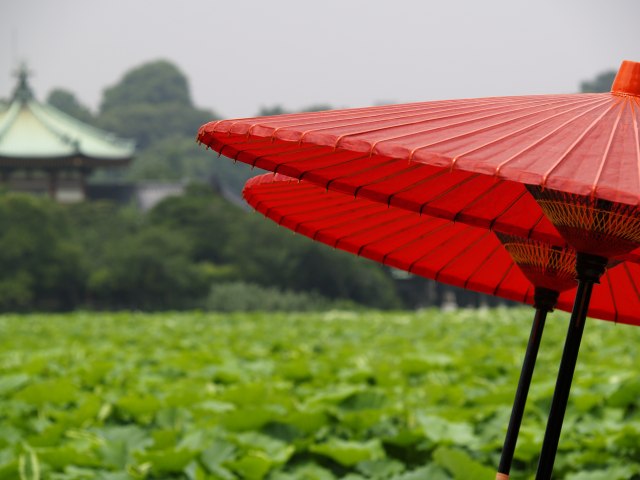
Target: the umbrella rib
pixel 504 276
pixel 432 177
pixel 499 167
pixel 389 176
pixel 533 228
pixel 494 125
pixel 417 239
pixel 319 208
pixel 575 144
pixel 448 191
pixel 607 151
pixel 429 119
pixel 387 113
pixel 459 256
pixel 434 250
pixel 632 281
pixel 478 199
pixel 511 134
pixel 360 172
pixel 349 222
pixel 369 228
pixel 389 236
pixel 635 131
pixel 321 154
pixel 333 165
pixel 456 124
pixel 444 110
pixel 613 299
pixel 506 209
pixel 339 218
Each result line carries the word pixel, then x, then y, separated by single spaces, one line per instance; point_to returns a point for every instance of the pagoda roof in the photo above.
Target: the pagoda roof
pixel 40 135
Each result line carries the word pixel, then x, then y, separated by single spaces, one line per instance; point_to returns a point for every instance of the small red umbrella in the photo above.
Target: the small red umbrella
pixel 496 162
pixel 449 252
pixel 457 254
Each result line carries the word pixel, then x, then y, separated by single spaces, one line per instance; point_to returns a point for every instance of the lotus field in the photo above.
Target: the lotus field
pixel 404 396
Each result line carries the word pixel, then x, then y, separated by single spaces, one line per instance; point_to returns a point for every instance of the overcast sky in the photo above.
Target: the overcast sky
pixel 242 55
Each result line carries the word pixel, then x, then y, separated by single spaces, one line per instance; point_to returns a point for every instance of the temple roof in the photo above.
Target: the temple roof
pixel 37 134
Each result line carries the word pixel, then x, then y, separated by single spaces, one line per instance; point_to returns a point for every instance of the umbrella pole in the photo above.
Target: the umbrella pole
pixel 589 269
pixel 544 301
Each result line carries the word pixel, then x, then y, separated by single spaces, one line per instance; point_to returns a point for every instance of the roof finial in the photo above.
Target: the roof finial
pixel 23 90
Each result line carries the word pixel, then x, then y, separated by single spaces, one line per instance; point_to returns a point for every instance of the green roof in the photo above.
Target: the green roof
pixel 32 131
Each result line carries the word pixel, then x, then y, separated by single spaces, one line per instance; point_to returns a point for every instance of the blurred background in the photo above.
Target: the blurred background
pixel 166 228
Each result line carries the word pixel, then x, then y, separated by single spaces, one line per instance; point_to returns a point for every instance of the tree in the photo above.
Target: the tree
pixel 40 266
pixel 272 256
pixel 68 103
pixel 204 218
pixel 149 104
pixel 602 83
pixel 155 82
pixel 149 270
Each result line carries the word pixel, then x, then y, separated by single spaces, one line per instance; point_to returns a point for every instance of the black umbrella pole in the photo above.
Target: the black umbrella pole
pixel 589 269
pixel 545 300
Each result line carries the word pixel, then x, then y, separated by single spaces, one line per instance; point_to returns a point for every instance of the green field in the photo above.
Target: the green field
pixel 305 396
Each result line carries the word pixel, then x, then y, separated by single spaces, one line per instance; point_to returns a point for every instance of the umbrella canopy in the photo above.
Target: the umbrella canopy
pixel 453 253
pixel 466 160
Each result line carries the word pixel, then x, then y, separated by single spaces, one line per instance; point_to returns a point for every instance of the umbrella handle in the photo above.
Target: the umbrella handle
pixel 544 301
pixel 589 269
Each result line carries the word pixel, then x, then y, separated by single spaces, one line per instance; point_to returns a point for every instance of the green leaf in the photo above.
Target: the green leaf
pixel 139 406
pixel 57 391
pixel 461 465
pixel 308 471
pixel 349 453
pixel 252 466
pixel 383 468
pixel 621 472
pixel 9 383
pixel 250 418
pixel 430 472
pixel 214 457
pixel 443 432
pixel 63 456
pixel 168 460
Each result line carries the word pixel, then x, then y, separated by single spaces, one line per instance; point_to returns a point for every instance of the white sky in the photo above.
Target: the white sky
pixel 241 55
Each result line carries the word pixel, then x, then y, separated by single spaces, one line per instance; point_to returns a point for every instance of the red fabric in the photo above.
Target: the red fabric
pixel 582 144
pixel 453 253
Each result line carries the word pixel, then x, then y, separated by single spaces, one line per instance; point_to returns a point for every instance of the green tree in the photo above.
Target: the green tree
pixel 601 83
pixel 204 218
pixel 155 82
pixel 68 103
pixel 148 270
pixel 40 267
pixel 150 103
pixel 272 256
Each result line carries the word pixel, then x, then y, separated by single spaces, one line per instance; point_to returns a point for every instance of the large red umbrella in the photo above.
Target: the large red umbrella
pixel 457 254
pixel 495 162
pixel 454 158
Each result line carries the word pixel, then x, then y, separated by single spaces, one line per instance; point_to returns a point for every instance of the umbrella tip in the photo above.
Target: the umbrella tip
pixel 627 81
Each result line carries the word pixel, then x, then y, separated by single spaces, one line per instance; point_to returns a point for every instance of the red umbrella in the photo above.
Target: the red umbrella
pixel 453 158
pixel 577 154
pixel 457 254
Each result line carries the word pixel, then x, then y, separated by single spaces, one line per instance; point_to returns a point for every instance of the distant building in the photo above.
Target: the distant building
pixel 45 151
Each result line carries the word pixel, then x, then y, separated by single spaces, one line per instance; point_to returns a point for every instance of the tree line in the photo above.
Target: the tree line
pixel 192 251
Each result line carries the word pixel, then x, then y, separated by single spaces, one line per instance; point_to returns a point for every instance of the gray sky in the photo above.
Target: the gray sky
pixel 241 55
